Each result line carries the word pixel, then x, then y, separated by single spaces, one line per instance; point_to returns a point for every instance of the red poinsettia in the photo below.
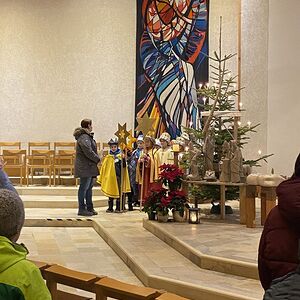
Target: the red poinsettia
pixel 163 205
pixel 154 197
pixel 171 174
pixel 177 200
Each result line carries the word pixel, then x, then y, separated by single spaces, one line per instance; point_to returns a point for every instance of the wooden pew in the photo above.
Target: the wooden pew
pixel 108 287
pixel 58 274
pixel 102 286
pixel 170 296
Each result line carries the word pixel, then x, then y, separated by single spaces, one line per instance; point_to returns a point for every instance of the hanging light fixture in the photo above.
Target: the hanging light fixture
pixel 194 215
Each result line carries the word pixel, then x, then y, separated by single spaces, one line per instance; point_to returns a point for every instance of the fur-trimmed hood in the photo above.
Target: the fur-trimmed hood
pixel 79 131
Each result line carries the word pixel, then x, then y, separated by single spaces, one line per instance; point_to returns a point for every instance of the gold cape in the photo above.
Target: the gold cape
pixel 108 178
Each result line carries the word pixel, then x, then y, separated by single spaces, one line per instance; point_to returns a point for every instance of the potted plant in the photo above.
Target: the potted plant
pixel 171 176
pixel 162 209
pixel 152 201
pixel 178 202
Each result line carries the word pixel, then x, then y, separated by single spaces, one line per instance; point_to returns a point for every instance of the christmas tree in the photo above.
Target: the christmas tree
pixel 218 103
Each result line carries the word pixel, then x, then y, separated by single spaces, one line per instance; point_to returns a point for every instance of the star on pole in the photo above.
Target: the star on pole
pixel 145 124
pixel 122 133
pixel 131 139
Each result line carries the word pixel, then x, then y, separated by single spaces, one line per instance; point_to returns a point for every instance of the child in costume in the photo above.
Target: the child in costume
pixel 114 175
pixel 164 155
pixel 132 165
pixel 145 173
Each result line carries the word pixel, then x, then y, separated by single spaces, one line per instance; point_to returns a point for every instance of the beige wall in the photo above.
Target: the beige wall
pixel 254 75
pixel 284 70
pixel 64 60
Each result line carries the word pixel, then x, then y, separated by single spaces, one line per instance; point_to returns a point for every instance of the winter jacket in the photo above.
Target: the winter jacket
pixel 87 157
pixel 20 279
pixel 5 183
pixel 279 241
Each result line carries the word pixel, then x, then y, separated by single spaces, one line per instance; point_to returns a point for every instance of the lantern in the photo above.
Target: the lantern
pixel 194 215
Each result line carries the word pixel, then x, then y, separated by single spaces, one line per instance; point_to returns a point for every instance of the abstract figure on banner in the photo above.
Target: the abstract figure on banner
pixel 171 60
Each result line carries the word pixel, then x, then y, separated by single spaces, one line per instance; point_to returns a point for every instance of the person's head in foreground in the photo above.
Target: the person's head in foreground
pixel 12 215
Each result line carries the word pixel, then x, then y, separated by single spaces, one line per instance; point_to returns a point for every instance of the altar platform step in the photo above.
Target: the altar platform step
pixel 53 190
pixel 218 246
pixel 153 261
pixel 56 197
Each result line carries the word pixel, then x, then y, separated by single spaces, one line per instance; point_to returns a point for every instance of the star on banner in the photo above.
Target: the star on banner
pixel 145 124
pixel 122 133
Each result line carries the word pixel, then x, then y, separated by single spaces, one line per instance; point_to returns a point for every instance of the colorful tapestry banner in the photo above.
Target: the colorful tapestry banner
pixel 171 60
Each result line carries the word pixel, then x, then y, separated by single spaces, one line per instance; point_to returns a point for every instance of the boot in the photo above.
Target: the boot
pixel 110 206
pixel 117 206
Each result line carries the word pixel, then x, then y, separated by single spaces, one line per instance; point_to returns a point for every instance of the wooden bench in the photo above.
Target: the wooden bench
pixel 58 274
pixel 108 287
pixel 170 296
pixel 102 286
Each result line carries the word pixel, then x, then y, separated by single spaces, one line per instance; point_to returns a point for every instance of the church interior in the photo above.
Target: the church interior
pixel 63 61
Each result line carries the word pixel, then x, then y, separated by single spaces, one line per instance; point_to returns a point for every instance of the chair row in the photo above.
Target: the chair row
pixel 44 146
pixel 41 162
pixel 102 286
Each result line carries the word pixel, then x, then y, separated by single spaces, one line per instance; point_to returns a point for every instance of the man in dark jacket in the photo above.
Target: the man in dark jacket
pixel 86 167
pixel 278 247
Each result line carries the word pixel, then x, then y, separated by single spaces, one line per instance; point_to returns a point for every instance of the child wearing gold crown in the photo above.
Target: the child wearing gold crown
pixel 113 178
pixel 164 155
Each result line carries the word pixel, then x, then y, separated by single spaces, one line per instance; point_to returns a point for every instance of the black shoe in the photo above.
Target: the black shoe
pixel 93 212
pixel 85 213
pixel 130 207
pixel 117 211
pixel 109 210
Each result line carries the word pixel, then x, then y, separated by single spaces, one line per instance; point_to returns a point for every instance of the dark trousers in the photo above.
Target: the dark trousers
pixel 111 204
pixel 85 193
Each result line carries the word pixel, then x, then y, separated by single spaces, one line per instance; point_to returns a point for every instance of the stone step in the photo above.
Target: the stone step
pixel 46 201
pixel 158 265
pixel 54 191
pixel 208 248
pixel 154 262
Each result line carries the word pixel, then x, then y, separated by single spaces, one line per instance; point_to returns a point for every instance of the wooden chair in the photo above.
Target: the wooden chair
pixel 99 147
pixel 10 146
pixel 63 161
pixel 39 160
pixel 15 159
pixel 108 287
pixel 63 146
pixel 38 146
pixel 105 150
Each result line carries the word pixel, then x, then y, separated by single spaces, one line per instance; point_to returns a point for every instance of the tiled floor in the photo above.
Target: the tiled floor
pixel 80 249
pixel 89 252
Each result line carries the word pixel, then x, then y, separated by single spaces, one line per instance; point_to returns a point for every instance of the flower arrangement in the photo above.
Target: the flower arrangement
pixel 153 199
pixel 171 176
pixel 178 201
pixel 163 205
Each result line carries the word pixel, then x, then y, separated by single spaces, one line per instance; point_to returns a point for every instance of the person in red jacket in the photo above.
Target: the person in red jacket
pixel 278 248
